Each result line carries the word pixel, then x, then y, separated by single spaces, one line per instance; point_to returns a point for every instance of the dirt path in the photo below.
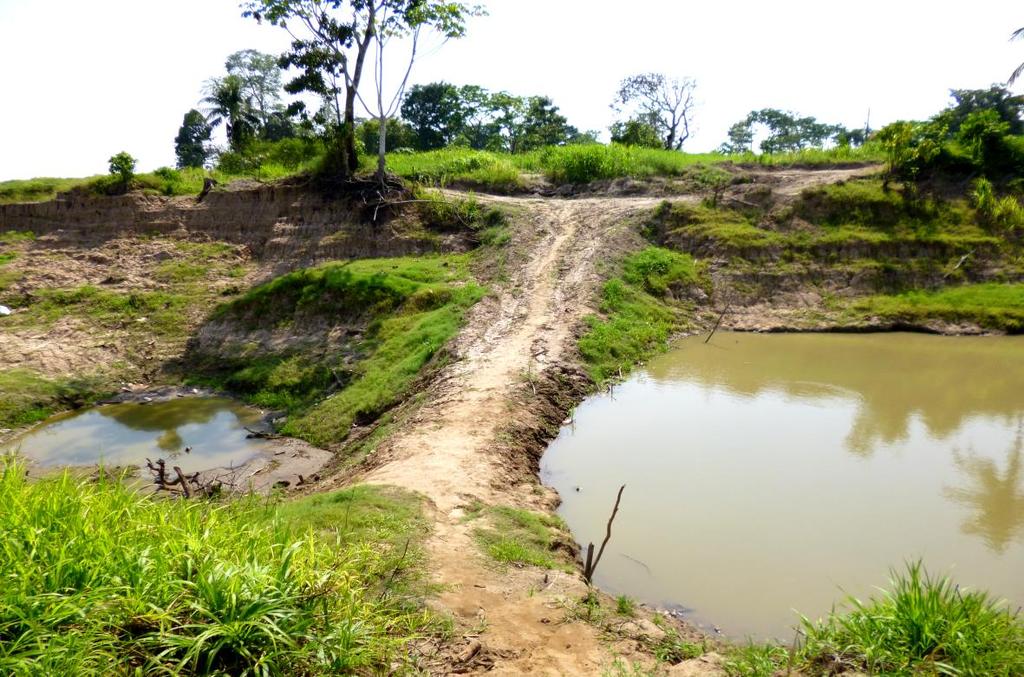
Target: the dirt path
pixel 450 451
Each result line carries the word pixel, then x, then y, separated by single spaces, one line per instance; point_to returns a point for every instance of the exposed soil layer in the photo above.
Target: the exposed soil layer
pixel 485 419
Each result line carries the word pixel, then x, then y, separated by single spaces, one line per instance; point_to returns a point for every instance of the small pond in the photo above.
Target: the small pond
pixel 769 473
pixel 212 429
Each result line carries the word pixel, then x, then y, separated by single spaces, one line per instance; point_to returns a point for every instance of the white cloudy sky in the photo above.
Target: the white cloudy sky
pixel 80 81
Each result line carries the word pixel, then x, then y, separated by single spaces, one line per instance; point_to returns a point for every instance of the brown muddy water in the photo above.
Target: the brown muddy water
pixel 211 428
pixel 770 474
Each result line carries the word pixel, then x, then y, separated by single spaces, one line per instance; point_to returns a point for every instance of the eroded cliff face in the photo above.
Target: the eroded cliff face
pixel 114 286
pixel 279 223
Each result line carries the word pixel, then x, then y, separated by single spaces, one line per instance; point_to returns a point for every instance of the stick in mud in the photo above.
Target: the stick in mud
pixel 717 324
pixel 591 565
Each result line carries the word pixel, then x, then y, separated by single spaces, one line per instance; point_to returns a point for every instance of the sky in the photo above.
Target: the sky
pixel 80 81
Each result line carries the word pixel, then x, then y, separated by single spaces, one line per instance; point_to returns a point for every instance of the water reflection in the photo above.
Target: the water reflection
pixel 943 381
pixel 211 429
pixel 996 497
pixel 766 472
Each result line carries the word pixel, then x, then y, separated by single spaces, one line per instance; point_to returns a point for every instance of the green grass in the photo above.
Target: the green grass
pixel 637 314
pixel 408 307
pixel 520 537
pixel 990 305
pixel 502 172
pixel 160 310
pixel 36 190
pixel 27 397
pixel 13 236
pixel 586 163
pixel 921 625
pixel 98 579
pixel 495 171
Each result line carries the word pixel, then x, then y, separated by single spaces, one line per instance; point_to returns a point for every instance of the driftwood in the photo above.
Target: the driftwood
pixel 591 564
pixel 186 485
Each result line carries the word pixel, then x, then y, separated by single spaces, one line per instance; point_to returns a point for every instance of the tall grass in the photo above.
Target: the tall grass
pixel 922 625
pixel 96 579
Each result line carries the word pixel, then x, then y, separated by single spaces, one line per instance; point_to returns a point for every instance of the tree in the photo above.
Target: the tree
pixel 259 76
pixel 436 112
pixel 227 104
pixel 741 138
pixel 331 40
pixel 543 125
pixel 786 132
pixel 636 133
pixel 664 103
pixel 1016 35
pixel 122 166
pixel 479 129
pixel 399 19
pixel 1003 102
pixel 191 143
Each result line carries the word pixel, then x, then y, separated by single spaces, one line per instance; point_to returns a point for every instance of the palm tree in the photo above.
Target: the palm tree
pixel 226 102
pixel 1017 35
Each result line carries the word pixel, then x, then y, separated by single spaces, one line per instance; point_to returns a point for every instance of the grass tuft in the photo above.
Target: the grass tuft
pixel 99 579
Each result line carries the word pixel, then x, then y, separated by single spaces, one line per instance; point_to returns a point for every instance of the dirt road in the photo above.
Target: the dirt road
pixel 451 451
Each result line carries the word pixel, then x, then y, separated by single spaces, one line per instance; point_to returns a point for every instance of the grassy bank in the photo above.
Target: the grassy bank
pixel 400 311
pixel 504 172
pixel 98 580
pixel 639 309
pixel 991 306
pixel 920 625
pixel 586 163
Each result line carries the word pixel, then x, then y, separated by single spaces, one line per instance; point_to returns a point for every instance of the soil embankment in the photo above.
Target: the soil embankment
pixel 486 417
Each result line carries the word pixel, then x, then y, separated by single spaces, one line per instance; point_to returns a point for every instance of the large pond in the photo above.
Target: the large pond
pixel 203 432
pixel 768 474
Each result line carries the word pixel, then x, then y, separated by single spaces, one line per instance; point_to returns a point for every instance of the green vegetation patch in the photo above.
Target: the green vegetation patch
pixel 100 579
pixel 990 305
pixel 521 537
pixel 495 171
pixel 161 311
pixel 27 397
pixel 13 236
pixel 867 202
pixel 406 310
pixel 640 309
pixel 36 190
pixel 921 625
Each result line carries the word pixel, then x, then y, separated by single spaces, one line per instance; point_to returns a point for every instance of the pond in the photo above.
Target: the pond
pixel 202 433
pixel 769 474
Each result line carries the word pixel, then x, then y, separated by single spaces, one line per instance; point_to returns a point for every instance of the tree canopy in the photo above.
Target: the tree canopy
pixel 442 114
pixel 331 40
pixel 191 144
pixel 662 102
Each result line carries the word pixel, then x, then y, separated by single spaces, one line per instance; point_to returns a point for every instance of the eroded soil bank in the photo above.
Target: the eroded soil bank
pixel 473 434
